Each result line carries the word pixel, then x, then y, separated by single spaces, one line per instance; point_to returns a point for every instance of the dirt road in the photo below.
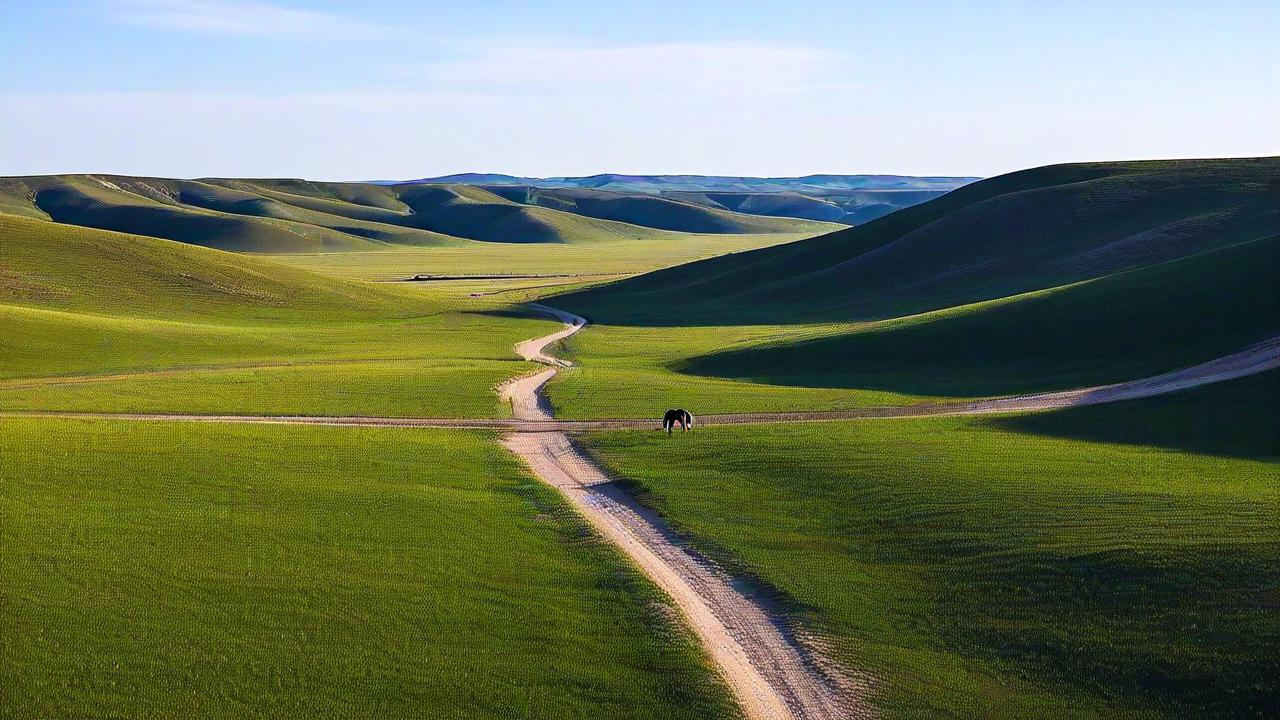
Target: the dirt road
pixel 771 673
pixel 524 393
pixel 532 414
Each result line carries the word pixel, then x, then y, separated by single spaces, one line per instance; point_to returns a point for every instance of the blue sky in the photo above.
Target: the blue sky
pixel 400 89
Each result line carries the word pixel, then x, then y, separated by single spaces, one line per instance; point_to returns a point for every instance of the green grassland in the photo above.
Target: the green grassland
pixel 1112 561
pixel 848 199
pixel 154 570
pixel 1120 327
pixel 101 321
pixel 1119 271
pixel 632 372
pixel 850 206
pixel 618 257
pixel 1009 235
pixel 284 216
pixel 156 211
pixel 1129 325
pixel 652 211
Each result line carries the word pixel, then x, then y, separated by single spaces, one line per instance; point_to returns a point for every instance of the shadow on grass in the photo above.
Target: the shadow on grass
pixel 1239 418
pixel 1171 626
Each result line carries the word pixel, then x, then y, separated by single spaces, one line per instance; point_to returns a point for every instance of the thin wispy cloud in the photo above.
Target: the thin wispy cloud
pixel 716 68
pixel 540 91
pixel 235 17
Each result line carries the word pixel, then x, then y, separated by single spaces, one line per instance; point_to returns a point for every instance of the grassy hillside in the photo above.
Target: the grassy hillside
pixel 847 206
pixel 1011 234
pixel 719 204
pixel 653 211
pixel 628 371
pixel 1117 561
pixel 170 570
pixel 1139 302
pixel 286 216
pixel 153 208
pixel 664 184
pixel 1119 327
pixel 619 256
pixel 103 321
pixel 58 267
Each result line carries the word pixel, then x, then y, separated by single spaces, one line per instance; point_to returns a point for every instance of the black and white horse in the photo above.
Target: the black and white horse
pixel 678 416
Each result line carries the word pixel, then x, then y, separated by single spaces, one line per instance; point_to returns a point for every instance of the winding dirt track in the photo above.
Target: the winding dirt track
pixel 773 672
pixel 1254 359
pixel 770 672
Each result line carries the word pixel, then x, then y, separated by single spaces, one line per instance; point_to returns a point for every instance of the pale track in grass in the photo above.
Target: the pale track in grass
pixel 771 671
pixel 1257 358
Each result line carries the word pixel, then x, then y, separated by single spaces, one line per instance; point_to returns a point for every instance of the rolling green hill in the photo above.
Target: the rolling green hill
pixel 652 211
pixel 64 268
pixel 1012 234
pixel 847 206
pixel 155 209
pixel 1109 561
pixel 1119 327
pixel 290 216
pixel 103 321
pixel 162 570
pixel 845 199
pixel 1117 561
pixel 663 184
pixel 1047 279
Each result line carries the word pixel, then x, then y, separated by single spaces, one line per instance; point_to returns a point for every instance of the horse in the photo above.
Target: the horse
pixel 678 415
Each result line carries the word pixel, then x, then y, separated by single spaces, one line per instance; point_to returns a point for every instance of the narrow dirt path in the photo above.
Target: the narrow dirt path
pixel 524 393
pixel 771 673
pixel 536 417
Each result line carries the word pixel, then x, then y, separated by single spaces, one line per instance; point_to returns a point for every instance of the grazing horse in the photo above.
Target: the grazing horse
pixel 679 415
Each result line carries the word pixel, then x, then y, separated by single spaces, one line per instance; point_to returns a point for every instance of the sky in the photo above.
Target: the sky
pixel 400 89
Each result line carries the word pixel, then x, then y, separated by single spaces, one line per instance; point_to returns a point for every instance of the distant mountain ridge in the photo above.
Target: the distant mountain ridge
pixel 845 199
pixel 704 183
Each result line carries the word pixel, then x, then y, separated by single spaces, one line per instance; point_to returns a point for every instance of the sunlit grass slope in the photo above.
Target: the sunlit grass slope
pixel 1124 326
pixel 625 371
pixel 58 267
pixel 652 211
pixel 1118 561
pixel 608 257
pixel 172 570
pixel 287 216
pixel 1082 275
pixel 1120 327
pixel 110 322
pixel 1011 234
pixel 155 209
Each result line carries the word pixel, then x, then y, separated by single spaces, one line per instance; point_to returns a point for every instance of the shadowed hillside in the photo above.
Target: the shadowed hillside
pixel 850 207
pixel 103 321
pixel 1012 234
pixel 648 210
pixel 287 216
pixel 1131 324
pixel 84 270
pixel 845 199
pixel 659 184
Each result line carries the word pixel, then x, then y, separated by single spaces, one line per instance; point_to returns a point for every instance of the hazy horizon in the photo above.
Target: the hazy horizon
pixel 284 88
